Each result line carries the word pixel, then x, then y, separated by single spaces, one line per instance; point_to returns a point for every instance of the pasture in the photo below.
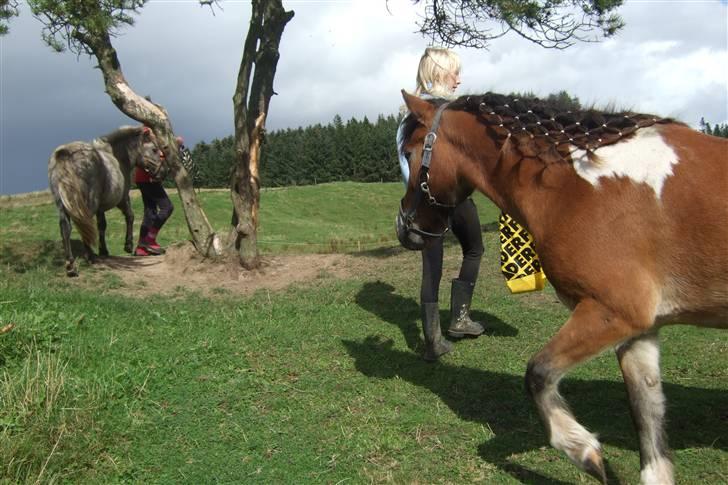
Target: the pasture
pixel 123 376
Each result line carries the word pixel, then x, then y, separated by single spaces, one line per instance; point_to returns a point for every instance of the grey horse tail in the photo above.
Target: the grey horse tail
pixel 72 198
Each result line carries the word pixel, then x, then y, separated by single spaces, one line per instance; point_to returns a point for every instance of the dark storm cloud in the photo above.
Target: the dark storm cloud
pixel 346 58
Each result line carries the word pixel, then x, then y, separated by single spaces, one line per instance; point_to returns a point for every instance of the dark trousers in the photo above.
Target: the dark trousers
pixel 465 224
pixel 157 206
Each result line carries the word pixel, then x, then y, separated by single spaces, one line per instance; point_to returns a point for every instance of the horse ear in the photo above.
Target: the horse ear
pixel 421 109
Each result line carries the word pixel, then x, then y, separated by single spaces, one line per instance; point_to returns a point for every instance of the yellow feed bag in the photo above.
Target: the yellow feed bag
pixel 519 262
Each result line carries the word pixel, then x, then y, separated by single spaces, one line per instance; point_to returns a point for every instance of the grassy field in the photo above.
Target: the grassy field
pixel 319 383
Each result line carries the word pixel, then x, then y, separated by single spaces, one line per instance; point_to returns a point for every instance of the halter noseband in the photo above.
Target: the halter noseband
pixel 424 176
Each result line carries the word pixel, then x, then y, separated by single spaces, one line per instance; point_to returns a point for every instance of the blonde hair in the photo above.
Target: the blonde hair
pixel 435 64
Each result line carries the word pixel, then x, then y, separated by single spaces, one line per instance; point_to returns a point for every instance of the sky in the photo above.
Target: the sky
pixel 349 58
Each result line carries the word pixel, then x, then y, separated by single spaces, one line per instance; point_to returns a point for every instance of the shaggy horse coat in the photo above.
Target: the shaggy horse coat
pixel 87 179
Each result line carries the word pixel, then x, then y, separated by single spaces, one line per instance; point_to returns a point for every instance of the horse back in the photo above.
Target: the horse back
pixel 643 228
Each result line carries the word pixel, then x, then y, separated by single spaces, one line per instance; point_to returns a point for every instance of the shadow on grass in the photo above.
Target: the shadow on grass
pixel 36 254
pixel 499 402
pixel 379 298
pixel 49 254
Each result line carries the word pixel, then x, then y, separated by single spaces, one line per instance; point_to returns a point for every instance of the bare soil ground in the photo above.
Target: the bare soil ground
pixel 182 268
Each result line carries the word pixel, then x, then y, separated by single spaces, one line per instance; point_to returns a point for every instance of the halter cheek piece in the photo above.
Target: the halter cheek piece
pixel 424 177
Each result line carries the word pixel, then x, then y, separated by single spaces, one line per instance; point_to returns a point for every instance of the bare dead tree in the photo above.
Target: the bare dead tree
pixel 555 24
pixel 250 104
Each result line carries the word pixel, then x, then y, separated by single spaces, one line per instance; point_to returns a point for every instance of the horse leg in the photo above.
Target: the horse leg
pixel 101 224
pixel 590 329
pixel 65 224
pixel 125 207
pixel 639 359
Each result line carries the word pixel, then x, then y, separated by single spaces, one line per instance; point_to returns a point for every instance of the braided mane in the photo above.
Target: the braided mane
pixel 539 127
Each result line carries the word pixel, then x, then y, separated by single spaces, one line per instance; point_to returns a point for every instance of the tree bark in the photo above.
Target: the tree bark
pixel 250 104
pixel 205 240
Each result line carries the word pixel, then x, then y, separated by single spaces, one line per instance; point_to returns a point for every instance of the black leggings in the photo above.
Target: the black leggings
pixel 465 224
pixel 157 206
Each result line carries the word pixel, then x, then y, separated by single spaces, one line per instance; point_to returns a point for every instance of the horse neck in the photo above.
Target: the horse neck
pixel 124 153
pixel 519 185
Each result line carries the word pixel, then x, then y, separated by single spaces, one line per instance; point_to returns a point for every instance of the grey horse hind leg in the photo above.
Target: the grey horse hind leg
pixel 639 359
pixel 65 224
pixel 125 207
pixel 101 225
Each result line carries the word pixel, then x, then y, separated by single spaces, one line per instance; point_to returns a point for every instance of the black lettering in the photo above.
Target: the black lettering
pixel 518 243
pixel 536 265
pixel 528 253
pixel 520 261
pixel 510 269
pixel 508 248
pixel 506 231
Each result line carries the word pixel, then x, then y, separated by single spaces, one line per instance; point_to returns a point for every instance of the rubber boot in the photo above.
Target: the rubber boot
pixel 460 323
pixel 435 344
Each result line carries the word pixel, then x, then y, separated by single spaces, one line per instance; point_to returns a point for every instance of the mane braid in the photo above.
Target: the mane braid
pixel 539 127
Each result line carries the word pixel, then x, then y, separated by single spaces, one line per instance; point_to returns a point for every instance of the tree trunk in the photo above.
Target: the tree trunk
pixel 150 114
pixel 250 104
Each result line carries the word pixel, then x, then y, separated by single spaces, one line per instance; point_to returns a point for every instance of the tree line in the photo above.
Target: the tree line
pixel 719 129
pixel 357 150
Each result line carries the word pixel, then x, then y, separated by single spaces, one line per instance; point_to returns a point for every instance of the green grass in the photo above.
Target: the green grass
pixel 319 383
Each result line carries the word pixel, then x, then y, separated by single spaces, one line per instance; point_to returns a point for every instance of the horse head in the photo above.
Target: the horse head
pixel 151 157
pixel 433 189
pixel 137 146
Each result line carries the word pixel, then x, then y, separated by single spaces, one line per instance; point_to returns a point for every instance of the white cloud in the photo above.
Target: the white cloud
pixel 349 58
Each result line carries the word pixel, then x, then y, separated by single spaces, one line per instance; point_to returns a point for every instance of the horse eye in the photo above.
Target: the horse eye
pixel 407 155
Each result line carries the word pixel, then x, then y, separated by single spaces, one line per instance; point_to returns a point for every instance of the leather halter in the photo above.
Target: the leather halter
pixel 424 176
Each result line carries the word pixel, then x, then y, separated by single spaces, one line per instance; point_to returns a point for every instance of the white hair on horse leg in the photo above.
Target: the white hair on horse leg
pixel 657 472
pixel 572 438
pixel 645 158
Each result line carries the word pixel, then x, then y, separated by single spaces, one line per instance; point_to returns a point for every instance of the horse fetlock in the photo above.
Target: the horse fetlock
pixel 71 269
pixel 581 446
pixel 657 472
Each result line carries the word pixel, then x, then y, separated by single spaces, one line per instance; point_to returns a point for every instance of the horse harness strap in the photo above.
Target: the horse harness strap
pixel 424 175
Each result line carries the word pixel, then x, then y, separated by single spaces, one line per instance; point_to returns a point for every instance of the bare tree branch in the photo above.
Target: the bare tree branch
pixel 555 24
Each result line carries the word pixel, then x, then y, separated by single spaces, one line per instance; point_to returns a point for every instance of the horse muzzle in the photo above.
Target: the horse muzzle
pixel 407 238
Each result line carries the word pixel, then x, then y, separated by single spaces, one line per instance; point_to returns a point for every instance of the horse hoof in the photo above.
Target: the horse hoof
pixel 593 464
pixel 71 272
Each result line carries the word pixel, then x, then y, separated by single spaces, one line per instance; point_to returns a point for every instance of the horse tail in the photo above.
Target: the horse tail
pixel 65 183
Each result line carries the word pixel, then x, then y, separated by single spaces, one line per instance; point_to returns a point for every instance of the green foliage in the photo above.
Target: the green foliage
pixel 68 22
pixel 552 24
pixel 359 151
pixel 8 10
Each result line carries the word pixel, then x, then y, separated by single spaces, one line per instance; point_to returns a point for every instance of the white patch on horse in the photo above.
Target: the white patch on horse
pixel 645 159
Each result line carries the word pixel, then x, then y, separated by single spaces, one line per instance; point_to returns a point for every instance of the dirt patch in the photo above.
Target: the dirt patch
pixel 183 269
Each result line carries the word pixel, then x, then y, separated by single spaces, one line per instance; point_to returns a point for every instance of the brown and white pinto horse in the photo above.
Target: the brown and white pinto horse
pixel 628 214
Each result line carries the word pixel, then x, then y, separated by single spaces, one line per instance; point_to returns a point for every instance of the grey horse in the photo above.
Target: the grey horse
pixel 89 178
